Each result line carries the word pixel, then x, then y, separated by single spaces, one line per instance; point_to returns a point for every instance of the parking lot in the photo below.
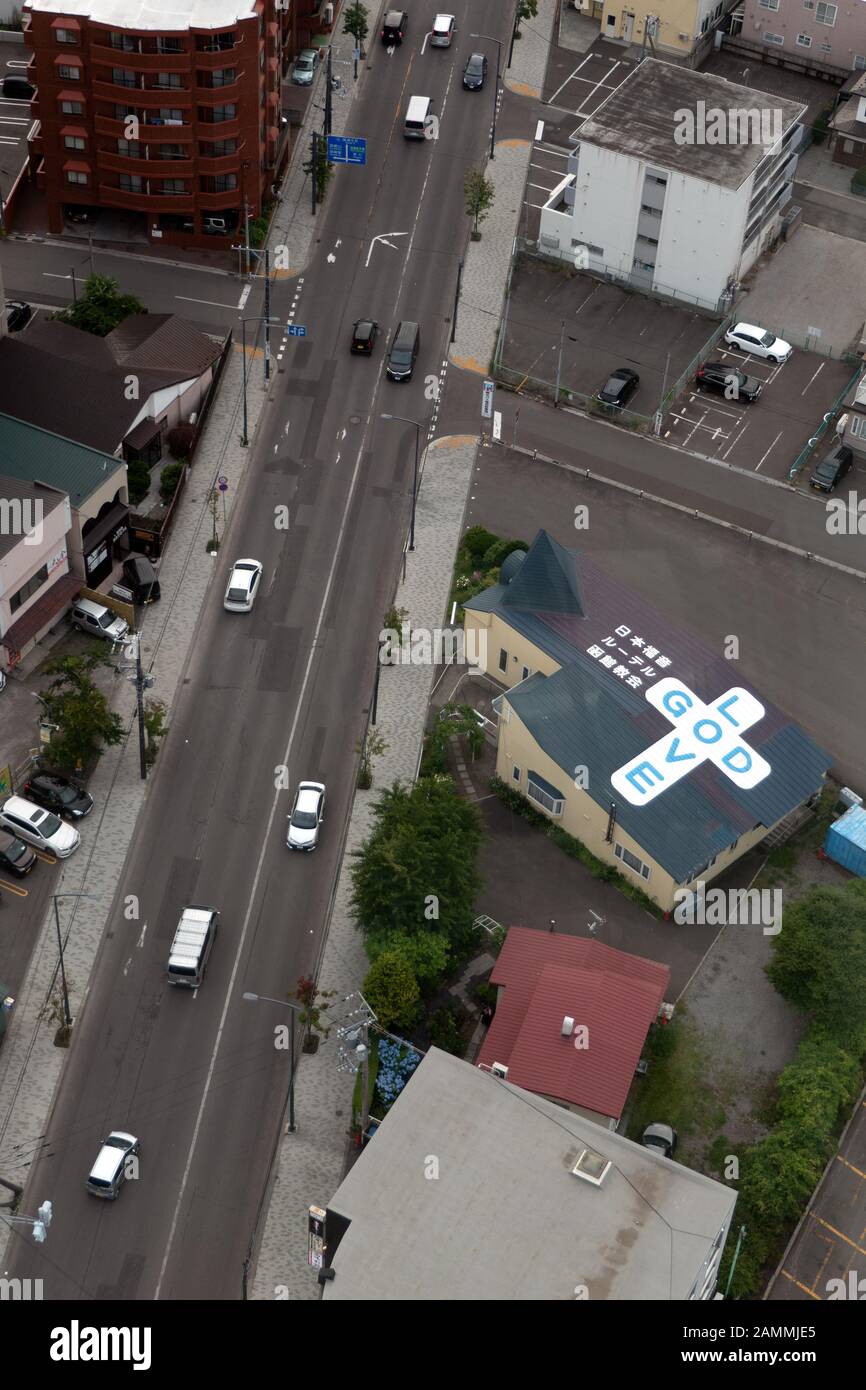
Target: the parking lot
pixel 605 327
pixel 15 118
pixel 766 435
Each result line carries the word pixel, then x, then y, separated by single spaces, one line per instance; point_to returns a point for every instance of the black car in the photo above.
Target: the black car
pixel 15 857
pixel 729 381
pixel 475 72
pixel 404 350
pixel 394 26
pixel 832 468
pixel 619 387
pixel 59 794
pixel 364 334
pixel 140 576
pixel 17 88
pixel 18 314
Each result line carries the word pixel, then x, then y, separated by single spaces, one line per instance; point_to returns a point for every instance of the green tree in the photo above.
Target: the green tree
pixel 75 703
pixel 101 307
pixel 478 192
pixel 526 9
pixel 819 958
pixel 313 1002
pixel 355 19
pixel 154 728
pixel 426 952
pixel 137 481
pixel 417 871
pixel 391 990
pixel 324 169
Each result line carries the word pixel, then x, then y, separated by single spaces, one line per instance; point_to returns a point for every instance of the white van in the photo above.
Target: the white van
pixel 192 945
pixel 418 110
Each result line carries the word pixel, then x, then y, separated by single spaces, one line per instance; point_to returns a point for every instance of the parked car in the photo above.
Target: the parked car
pixel 619 387
pixel 759 342
pixel 99 621
pixel 728 380
pixel 306 816
pixel 38 827
pixel 16 87
pixel 111 1168
pixel 443 31
pixel 832 468
pixel 364 335
pixel 18 315
pixel 475 72
pixel 394 26
pixel 305 67
pixel 139 575
pixel 58 793
pixel 243 586
pixel 661 1138
pixel 15 857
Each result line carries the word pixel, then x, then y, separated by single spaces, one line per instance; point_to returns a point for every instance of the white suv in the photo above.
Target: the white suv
pixel 759 342
pixel 39 827
pixel 443 31
pixel 243 586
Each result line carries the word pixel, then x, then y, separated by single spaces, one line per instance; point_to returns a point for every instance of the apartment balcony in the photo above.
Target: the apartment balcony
pixel 215 202
pixel 221 164
pixel 220 130
pixel 223 58
pixel 216 96
pixel 154 203
pixel 117 92
pixel 140 62
pixel 150 131
pixel 111 161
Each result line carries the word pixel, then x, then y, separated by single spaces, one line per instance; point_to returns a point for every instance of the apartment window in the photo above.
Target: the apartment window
pixel 503 659
pixel 220 183
pixel 527 672
pixel 773 38
pixel 643 265
pixel 825 14
pixel 857 426
pixel 131 148
pixel 215 149
pixel 72 108
pixel 648 240
pixel 130 183
pixel 552 800
pixel 169 115
pixel 631 860
pixel 172 152
pixel 218 114
pixel 859 62
pixel 169 81
pixel 223 77
pixel 169 46
pixel 808 4
pixel 650 212
pixel 66 35
pixel 73 74
pixel 656 178
pixel 769 4
pixel 74 142
pixel 848 146
pixel 125 42
pixel 27 590
pixel 74 176
pixel 215 43
pixel 826 46
pixel 804 41
pixel 515 773
pixel 173 186
pixel 123 77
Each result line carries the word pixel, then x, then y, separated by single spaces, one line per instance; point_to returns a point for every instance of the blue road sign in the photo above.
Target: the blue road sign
pixel 347 149
pixel 296 330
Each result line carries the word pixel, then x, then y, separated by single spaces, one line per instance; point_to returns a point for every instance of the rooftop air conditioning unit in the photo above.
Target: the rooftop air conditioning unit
pixel 847 798
pixel 684 38
pixel 499 1069
pixel 567 1026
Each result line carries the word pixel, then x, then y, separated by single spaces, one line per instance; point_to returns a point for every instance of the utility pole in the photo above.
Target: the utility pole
pixel 559 361
pixel 267 315
pixel 328 96
pixel 456 300
pixel 314 167
pixel 139 694
pixel 74 286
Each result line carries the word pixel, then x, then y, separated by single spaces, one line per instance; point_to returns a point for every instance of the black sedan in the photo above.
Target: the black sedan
pixel 15 857
pixel 59 794
pixel 728 381
pixel 18 314
pixel 364 334
pixel 475 72
pixel 619 387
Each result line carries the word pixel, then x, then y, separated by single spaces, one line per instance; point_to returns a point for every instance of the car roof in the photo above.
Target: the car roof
pixel 308 53
pixel 311 788
pixel 443 19
pixel 475 58
pixel 749 328
pixel 110 1156
pixel 27 810
pixel 8 838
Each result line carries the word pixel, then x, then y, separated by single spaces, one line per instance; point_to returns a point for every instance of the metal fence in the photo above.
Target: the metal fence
pixel 810 445
pixel 680 384
pixel 814 342
pixel 611 275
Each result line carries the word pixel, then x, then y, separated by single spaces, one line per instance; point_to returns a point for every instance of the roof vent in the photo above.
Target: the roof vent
pixel 567 1026
pixel 592 1167
pixel 499 1069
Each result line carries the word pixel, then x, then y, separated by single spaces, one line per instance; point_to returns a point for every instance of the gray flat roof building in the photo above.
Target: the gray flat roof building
pixel 467 1192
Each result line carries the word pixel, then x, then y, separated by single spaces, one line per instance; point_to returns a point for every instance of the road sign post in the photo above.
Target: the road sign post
pixel 347 149
pixel 487 391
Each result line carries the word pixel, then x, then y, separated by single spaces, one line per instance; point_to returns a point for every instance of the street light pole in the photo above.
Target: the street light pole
pixel 296 1009
pixel 404 419
pixel 267 321
pixel 491 39
pixel 67 1016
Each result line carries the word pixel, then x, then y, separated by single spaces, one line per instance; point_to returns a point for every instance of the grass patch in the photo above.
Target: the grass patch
pixel 674 1090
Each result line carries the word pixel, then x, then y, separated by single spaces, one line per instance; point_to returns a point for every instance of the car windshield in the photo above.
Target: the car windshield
pixel 304 64
pixel 613 385
pixel 401 356
pixel 49 826
pixel 238 595
pixel 107 618
pixel 66 794
pixel 474 66
pixel 14 851
pixel 768 339
pixel 362 332
pixel 304 820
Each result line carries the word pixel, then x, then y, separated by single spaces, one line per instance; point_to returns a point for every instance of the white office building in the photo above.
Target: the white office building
pixel 677 183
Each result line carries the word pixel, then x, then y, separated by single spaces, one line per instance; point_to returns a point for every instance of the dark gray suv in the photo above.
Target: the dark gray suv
pixel 404 350
pixel 832 469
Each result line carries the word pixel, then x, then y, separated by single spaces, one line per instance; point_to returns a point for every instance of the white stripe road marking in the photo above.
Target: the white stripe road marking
pixel 245 294
pixel 761 461
pixel 217 303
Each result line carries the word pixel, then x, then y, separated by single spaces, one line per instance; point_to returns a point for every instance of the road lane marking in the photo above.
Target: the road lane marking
pixel 216 303
pixel 245 294
pixel 765 456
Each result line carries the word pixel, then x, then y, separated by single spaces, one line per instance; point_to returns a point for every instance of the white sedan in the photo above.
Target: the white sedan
pixel 759 342
pixel 243 586
pixel 39 827
pixel 306 816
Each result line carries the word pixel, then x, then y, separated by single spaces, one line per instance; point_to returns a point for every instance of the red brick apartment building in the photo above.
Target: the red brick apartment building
pixel 170 109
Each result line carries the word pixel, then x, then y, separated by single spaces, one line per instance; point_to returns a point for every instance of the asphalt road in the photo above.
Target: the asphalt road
pixel 199 1079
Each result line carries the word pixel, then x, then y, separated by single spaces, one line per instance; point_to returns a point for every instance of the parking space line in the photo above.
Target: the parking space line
pixel 804 1287
pixel 813 379
pixel 764 457
pixel 14 888
pixel 573 74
